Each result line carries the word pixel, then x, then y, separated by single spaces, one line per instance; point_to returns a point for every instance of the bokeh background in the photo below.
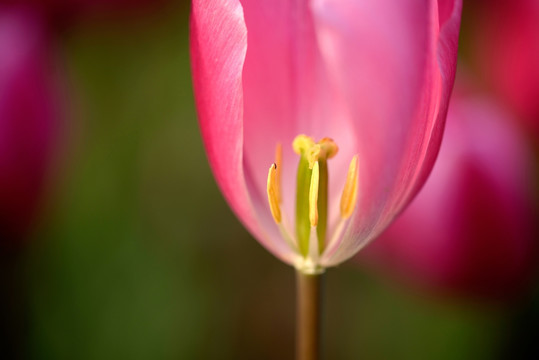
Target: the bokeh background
pixel 128 251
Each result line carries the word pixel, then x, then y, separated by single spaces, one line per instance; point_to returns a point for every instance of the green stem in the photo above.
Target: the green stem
pixel 308 315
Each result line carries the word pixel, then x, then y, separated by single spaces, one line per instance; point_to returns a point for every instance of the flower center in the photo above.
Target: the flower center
pixel 311 196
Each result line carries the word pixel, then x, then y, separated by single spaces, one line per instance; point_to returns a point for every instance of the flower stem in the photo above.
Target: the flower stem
pixel 308 315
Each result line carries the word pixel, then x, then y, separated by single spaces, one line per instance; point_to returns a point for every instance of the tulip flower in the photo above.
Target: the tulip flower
pixel 470 229
pixel 343 100
pixel 28 113
pixel 279 83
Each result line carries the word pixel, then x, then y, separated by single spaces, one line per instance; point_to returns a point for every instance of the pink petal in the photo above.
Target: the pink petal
pixel 397 81
pixel 288 91
pixel 470 229
pixel 218 48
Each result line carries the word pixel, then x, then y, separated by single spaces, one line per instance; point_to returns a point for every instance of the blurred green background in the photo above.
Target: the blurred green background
pixel 139 257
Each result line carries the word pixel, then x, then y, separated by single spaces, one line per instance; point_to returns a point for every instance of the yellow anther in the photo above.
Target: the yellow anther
pixel 302 143
pixel 349 193
pixel 313 195
pixel 278 169
pixel 329 147
pixel 272 194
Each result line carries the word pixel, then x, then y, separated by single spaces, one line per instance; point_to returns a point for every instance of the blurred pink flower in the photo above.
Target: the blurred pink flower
pixel 27 118
pixel 470 229
pixel 505 37
pixel 375 76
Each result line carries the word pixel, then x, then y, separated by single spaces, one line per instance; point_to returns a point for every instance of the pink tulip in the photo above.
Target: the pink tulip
pixel 505 35
pixel 470 229
pixel 374 76
pixel 27 117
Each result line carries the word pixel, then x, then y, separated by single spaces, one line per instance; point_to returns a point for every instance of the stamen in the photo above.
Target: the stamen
pixel 278 169
pixel 349 193
pixel 272 194
pixel 313 196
